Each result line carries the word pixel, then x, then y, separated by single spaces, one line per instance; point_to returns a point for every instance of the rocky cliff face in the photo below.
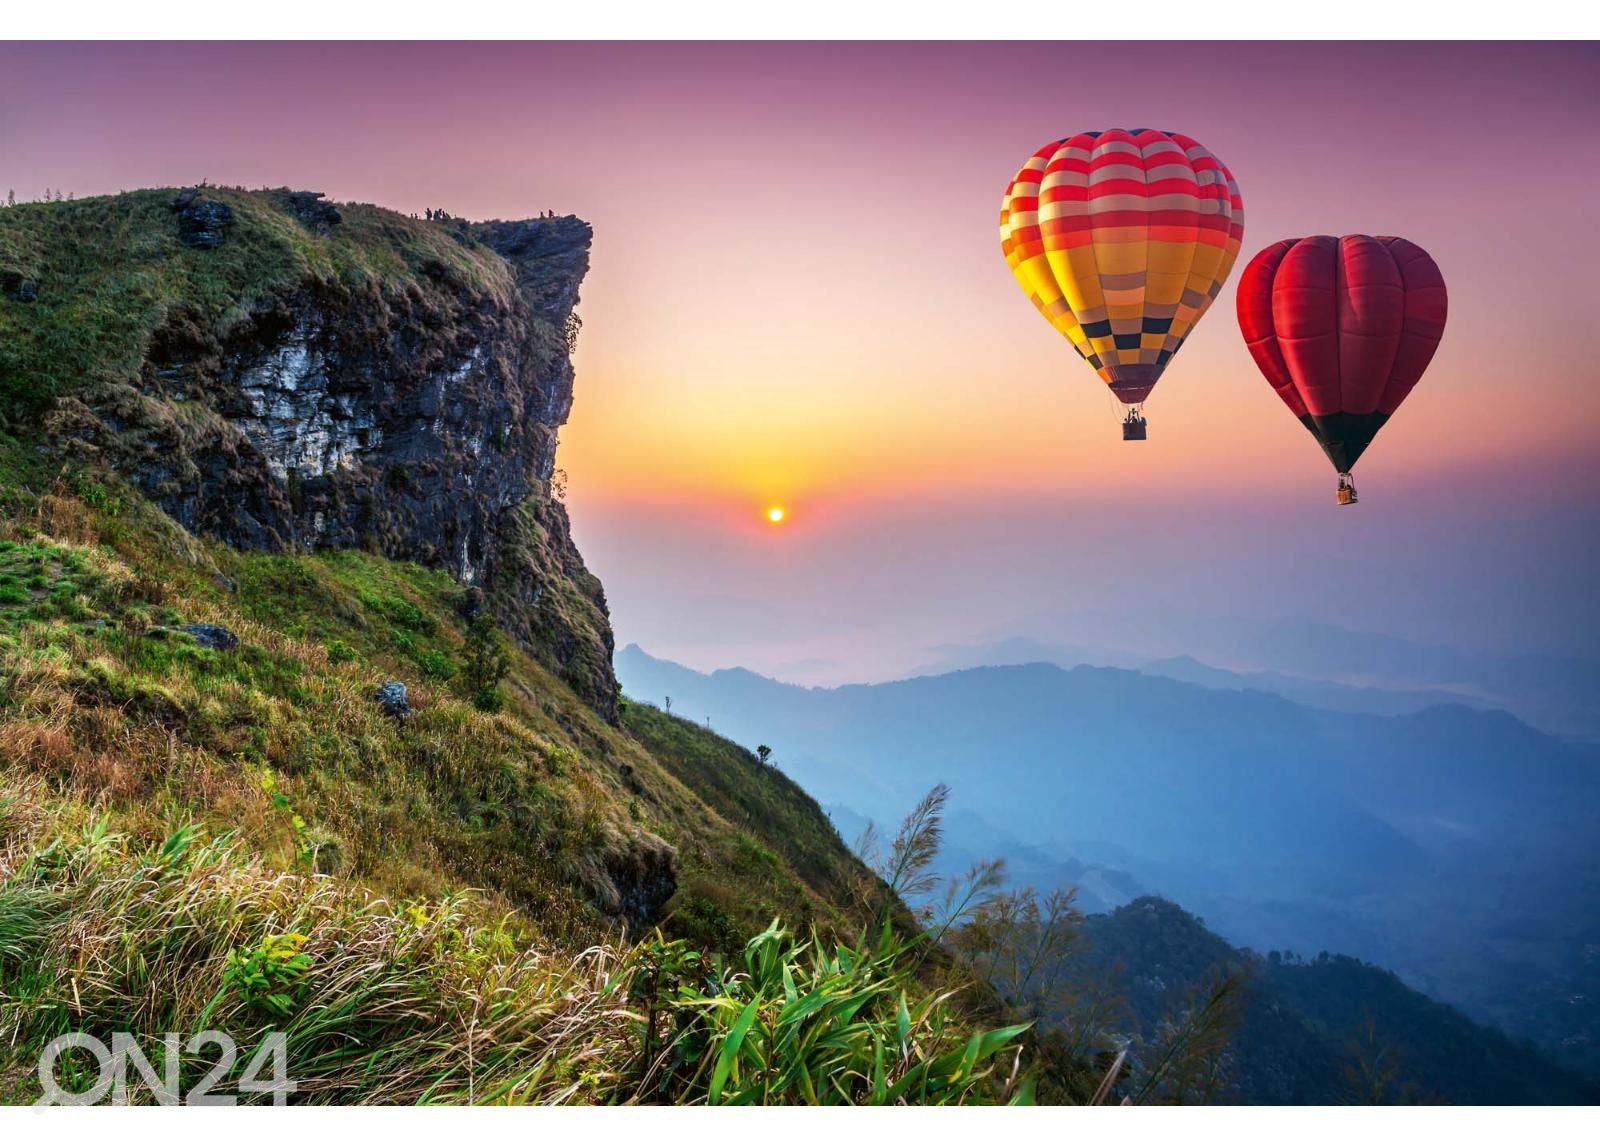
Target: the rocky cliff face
pixel 414 412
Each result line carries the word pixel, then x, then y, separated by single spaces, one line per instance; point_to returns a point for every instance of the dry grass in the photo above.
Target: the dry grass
pixel 436 1001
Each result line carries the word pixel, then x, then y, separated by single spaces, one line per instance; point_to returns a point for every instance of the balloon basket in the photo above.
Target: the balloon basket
pixel 1133 427
pixel 1347 490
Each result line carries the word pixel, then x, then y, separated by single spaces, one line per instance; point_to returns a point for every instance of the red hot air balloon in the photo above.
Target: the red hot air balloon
pixel 1342 328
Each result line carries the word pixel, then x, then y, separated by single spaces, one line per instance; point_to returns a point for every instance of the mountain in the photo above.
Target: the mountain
pixel 307 718
pixel 1452 845
pixel 1555 693
pixel 1309 692
pixel 1015 650
pixel 1319 665
pixel 1325 1031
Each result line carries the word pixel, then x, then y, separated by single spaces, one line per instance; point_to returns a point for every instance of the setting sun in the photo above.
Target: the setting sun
pixel 775 515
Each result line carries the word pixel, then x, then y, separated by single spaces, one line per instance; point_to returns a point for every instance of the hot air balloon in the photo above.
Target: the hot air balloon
pixel 1342 328
pixel 1122 239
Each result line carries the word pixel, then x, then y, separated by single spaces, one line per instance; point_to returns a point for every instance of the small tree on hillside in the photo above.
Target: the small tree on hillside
pixel 764 753
pixel 488 663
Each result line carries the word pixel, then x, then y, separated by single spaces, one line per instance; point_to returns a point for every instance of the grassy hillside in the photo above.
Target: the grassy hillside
pixel 110 272
pixel 181 825
pixel 113 707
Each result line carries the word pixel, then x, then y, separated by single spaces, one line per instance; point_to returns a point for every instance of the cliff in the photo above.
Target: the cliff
pixel 264 461
pixel 290 375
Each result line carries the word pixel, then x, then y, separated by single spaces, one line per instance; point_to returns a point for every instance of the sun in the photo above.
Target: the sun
pixel 776 514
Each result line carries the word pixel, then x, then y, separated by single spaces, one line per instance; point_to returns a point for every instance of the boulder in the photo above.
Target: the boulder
pixel 14 285
pixel 204 223
pixel 392 698
pixel 313 209
pixel 211 636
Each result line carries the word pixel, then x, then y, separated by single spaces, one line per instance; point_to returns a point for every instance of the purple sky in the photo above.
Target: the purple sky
pixel 798 298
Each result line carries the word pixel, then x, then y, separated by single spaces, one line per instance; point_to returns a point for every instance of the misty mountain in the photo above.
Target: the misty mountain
pixel 1311 693
pixel 1318 663
pixel 1324 1030
pixel 1557 693
pixel 970 839
pixel 1451 845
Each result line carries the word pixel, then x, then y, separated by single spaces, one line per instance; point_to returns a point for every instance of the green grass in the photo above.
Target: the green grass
pixel 102 697
pixel 110 272
pixel 245 840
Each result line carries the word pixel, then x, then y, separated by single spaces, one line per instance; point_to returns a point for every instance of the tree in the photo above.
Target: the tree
pixel 488 663
pixel 764 753
pixel 669 705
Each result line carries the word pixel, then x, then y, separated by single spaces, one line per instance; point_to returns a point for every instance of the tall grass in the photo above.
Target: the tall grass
pixel 379 1002
pixel 443 1002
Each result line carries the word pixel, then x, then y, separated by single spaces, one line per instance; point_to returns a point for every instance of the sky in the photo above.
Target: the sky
pixel 798 298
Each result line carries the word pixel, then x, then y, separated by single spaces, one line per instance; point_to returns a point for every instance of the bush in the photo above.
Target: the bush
pixel 804 1023
pixel 487 663
pixel 435 665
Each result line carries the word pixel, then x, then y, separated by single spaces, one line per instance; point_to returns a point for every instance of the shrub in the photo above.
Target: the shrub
pixel 435 665
pixel 269 976
pixel 487 663
pixel 805 1023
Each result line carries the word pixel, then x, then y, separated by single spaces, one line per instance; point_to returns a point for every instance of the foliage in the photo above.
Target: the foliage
pixel 805 1023
pixel 269 976
pixel 487 663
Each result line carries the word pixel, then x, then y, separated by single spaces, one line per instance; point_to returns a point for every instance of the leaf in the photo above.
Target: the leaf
pixel 730 1051
pixel 995 1040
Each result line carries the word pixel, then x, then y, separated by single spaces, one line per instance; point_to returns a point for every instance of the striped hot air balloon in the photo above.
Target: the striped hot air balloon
pixel 1122 239
pixel 1342 328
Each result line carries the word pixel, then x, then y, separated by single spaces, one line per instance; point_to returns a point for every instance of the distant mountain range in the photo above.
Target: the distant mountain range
pixel 1453 845
pixel 1324 665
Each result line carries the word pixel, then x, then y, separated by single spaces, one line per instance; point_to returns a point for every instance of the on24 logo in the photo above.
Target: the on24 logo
pixel 112 1069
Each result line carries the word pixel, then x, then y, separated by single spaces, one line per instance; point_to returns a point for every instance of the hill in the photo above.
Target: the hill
pixel 307 720
pixel 1451 845
pixel 1331 1030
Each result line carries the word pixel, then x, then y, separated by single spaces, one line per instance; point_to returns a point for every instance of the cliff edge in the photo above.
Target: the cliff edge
pixel 288 374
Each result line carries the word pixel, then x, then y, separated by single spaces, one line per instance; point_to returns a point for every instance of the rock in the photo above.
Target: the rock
pixel 420 424
pixel 16 287
pixel 392 698
pixel 645 880
pixel 203 223
pixel 185 197
pixel 470 606
pixel 211 636
pixel 312 209
pixel 225 583
pixel 631 877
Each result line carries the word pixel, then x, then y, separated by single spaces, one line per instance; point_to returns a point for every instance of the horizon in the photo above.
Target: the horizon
pixel 764 333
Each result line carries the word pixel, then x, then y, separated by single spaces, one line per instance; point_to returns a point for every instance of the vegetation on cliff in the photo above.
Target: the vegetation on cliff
pixel 431 908
pixel 289 375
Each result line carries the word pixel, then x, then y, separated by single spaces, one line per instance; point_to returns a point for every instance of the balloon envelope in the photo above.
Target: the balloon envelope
pixel 1121 239
pixel 1342 328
